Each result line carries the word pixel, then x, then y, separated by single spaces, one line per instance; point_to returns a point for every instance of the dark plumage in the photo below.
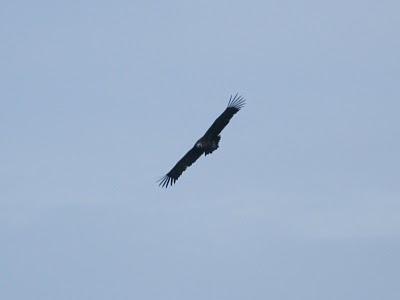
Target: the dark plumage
pixel 206 144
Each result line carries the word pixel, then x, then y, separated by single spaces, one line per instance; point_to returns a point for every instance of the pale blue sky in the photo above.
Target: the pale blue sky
pixel 101 98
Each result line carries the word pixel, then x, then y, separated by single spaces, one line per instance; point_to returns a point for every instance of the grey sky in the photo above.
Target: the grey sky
pixel 99 99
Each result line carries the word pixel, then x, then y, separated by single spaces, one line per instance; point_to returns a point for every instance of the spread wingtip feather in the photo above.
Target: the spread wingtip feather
pixel 236 101
pixel 166 181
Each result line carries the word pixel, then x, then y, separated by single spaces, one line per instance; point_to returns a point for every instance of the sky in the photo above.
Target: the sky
pixel 99 99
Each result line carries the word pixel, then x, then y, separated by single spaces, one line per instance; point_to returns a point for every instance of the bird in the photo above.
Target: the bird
pixel 207 144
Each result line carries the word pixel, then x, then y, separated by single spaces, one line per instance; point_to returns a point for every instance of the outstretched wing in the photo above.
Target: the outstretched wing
pixel 235 104
pixel 186 161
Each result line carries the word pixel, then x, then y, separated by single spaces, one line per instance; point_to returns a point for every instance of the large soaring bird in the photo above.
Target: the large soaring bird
pixel 206 144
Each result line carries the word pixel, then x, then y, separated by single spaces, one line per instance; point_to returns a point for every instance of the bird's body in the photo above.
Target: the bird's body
pixel 208 143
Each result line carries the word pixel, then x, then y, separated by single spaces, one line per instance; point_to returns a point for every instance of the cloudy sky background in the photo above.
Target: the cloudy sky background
pixel 99 99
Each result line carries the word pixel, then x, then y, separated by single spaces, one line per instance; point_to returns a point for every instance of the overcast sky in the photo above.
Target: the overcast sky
pixel 99 99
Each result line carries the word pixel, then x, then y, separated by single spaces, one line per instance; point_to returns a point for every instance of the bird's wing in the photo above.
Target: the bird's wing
pixel 187 160
pixel 235 104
